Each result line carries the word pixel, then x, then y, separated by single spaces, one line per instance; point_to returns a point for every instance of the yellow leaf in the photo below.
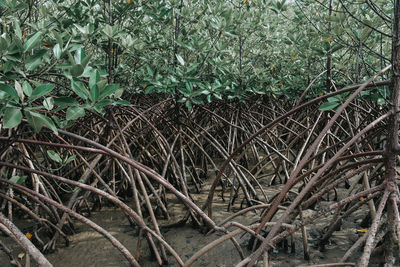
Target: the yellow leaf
pixel 21 255
pixel 272 67
pixel 129 1
pixel 292 57
pixel 361 199
pixel 329 39
pixel 47 45
pixel 28 235
pixel 244 1
pixel 144 86
pixel 321 94
pixel 362 230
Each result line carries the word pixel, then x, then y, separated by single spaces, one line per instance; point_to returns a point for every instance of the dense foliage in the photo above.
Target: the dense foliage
pixel 81 55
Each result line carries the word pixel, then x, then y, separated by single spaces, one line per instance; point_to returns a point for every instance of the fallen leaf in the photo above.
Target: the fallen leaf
pixel 28 235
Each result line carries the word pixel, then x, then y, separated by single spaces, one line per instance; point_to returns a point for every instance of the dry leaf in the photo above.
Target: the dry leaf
pixel 329 39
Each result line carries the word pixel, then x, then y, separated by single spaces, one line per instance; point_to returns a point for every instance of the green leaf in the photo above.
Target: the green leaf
pixel 328 106
pixel 19 90
pixel 32 63
pixel 12 117
pixel 81 29
pixel 103 103
pixel 37 121
pixel 3 44
pixel 54 156
pixel 150 71
pixel 118 93
pixel 94 78
pixel 74 113
pixel 48 103
pixel 8 66
pixel 101 84
pixel 18 179
pixel 192 68
pixel 32 42
pixel 108 91
pixel 94 93
pixel 122 103
pixel 57 51
pixel 65 101
pixel 86 60
pixel 94 90
pixel 3 4
pixel 333 99
pixel 189 105
pixel 79 55
pixel 180 59
pixel 58 38
pixel 189 87
pixel 69 159
pixel 48 123
pixel 41 90
pixel 197 101
pixel 17 30
pixel 109 31
pixel 381 101
pixel 27 89
pixel 9 90
pixel 80 89
pixel 77 70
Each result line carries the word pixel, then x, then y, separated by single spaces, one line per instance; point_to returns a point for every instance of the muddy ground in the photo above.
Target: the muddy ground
pixel 88 248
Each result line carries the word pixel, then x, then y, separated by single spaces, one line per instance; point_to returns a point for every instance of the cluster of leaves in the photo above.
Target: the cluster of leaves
pixel 71 55
pixel 45 75
pixel 204 51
